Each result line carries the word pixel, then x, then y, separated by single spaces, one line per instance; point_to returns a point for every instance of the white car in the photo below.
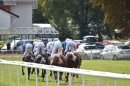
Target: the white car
pixel 19 44
pixel 115 52
pixel 4 48
pixel 90 51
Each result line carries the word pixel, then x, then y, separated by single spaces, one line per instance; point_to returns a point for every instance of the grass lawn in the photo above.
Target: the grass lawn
pixel 120 66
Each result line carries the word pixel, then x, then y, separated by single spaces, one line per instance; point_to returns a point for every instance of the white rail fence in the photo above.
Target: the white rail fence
pixel 82 72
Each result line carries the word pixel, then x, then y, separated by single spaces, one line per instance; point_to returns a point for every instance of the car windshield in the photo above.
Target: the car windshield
pixel 90 47
pixel 124 47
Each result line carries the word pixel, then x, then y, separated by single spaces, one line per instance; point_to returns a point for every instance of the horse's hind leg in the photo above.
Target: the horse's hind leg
pixel 50 73
pixel 43 74
pixel 33 71
pixel 61 73
pixel 66 77
pixel 22 70
pixel 29 70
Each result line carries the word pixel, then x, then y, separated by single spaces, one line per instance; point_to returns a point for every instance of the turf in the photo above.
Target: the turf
pixel 120 66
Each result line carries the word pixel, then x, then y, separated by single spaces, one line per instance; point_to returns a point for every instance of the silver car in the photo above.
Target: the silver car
pixel 90 51
pixel 115 52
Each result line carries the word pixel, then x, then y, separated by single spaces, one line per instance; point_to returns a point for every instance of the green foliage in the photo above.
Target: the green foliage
pixel 38 17
pixel 117 14
pixel 73 15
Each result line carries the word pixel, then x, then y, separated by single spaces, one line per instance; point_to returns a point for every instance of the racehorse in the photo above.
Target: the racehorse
pixel 41 59
pixel 58 60
pixel 73 60
pixel 28 58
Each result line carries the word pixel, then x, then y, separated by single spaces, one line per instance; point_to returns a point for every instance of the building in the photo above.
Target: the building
pixel 16 13
pixel 17 20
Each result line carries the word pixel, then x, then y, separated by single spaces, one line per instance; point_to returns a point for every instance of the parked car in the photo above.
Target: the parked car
pixel 115 52
pixel 19 44
pixel 78 41
pixel 98 45
pixel 90 51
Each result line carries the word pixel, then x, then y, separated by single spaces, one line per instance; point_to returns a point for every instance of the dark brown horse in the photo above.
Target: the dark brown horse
pixel 41 59
pixel 73 60
pixel 28 58
pixel 58 60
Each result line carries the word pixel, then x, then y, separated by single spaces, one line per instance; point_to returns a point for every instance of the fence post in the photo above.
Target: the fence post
pixel 18 75
pixel 2 74
pixel 91 54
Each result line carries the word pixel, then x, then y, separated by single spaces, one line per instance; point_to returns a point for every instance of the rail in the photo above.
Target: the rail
pixel 82 72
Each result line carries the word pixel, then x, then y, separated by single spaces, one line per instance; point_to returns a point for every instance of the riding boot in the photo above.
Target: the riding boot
pixel 65 53
pixel 23 58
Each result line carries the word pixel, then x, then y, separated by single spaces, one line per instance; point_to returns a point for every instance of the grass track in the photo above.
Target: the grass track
pixel 120 66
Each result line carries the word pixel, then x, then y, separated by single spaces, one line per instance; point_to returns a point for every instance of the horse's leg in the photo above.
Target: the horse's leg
pixel 37 71
pixel 43 74
pixel 50 73
pixel 55 75
pixel 67 77
pixel 29 70
pixel 61 73
pixel 23 70
pixel 33 70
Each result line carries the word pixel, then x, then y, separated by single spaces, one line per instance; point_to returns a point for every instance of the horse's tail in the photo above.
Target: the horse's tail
pixel 45 58
pixel 78 55
pixel 55 59
pixel 63 59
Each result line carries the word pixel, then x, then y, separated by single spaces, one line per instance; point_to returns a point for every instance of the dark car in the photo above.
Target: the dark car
pixel 98 45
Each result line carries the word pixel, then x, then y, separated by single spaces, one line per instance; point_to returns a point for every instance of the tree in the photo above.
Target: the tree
pixel 71 18
pixel 38 17
pixel 117 13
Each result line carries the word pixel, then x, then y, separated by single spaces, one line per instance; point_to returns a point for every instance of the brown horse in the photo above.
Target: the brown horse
pixel 58 60
pixel 73 60
pixel 28 58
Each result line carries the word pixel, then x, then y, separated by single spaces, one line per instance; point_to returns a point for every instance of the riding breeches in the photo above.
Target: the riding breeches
pixel 57 48
pixel 49 47
pixel 70 46
pixel 28 49
pixel 40 48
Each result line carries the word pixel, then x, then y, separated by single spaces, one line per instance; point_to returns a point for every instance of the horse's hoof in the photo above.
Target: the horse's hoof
pixel 23 73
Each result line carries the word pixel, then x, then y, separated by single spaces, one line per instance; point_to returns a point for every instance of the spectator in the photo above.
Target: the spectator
pixel 15 45
pixel 8 47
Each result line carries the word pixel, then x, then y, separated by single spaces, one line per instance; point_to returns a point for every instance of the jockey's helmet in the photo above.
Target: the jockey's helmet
pixel 56 39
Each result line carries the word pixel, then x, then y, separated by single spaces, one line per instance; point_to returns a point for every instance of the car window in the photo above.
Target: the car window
pixel 90 47
pixel 113 48
pixel 19 43
pixel 124 47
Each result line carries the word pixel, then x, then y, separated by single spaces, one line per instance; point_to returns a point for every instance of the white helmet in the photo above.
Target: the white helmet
pixel 56 39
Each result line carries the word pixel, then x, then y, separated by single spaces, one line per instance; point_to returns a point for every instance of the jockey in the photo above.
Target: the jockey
pixel 64 44
pixel 49 47
pixel 70 46
pixel 35 45
pixel 40 52
pixel 40 47
pixel 27 48
pixel 57 47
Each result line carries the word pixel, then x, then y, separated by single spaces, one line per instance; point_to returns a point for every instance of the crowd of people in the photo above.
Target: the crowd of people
pixel 52 47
